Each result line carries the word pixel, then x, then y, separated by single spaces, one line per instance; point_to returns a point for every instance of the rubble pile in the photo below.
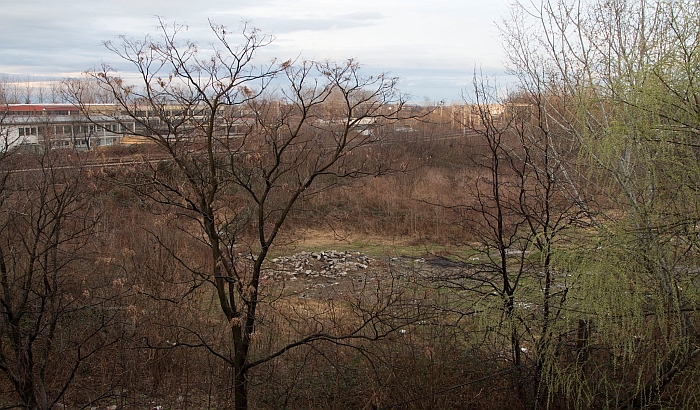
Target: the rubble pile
pixel 325 264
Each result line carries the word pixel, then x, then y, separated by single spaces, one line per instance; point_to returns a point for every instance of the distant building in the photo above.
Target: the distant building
pixel 53 126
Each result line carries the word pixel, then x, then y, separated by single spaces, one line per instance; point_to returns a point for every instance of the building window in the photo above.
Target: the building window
pixel 27 131
pixel 63 129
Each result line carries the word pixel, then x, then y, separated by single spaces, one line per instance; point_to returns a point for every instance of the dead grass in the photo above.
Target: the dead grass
pixel 375 246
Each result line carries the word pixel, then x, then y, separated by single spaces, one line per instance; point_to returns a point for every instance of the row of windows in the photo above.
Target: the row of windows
pixel 85 129
pixel 27 131
pixel 44 112
pixel 142 113
pixel 155 114
pixel 115 127
pixel 68 129
pixel 83 143
pixel 60 129
pixel 63 129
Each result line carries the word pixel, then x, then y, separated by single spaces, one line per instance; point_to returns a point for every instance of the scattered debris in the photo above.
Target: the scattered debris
pixel 325 264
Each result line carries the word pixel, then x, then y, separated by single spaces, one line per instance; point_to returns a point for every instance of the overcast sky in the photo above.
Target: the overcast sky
pixel 432 45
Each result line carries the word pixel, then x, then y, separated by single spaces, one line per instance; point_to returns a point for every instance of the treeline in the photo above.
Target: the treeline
pixel 25 90
pixel 570 207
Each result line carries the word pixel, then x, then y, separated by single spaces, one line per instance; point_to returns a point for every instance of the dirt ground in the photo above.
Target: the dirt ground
pixel 327 265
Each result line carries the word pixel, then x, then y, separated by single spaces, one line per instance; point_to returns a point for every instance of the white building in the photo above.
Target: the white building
pixel 61 126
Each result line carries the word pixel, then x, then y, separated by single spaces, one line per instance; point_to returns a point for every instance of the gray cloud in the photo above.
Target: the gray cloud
pixel 343 21
pixel 64 37
pixel 441 84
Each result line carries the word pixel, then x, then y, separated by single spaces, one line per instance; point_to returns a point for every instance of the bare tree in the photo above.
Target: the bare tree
pixel 517 207
pixel 610 79
pixel 28 89
pixel 10 92
pixel 54 316
pixel 495 219
pixel 240 155
pixel 55 91
pixel 5 141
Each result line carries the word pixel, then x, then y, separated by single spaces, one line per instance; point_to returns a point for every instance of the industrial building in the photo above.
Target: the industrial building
pixel 53 126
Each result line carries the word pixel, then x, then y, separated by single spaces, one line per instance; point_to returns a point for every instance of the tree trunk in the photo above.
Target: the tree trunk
pixel 27 397
pixel 240 387
pixel 240 370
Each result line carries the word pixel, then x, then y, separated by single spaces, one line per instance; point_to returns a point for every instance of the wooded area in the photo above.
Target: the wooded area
pixel 541 252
